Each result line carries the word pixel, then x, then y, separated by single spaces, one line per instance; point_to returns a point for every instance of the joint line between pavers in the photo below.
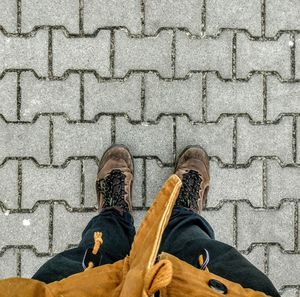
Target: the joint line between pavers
pixel 19 96
pixel 113 129
pixel 265 98
pixel 143 98
pixel 143 17
pixel 264 183
pixel 144 183
pixel 294 139
pixel 50 53
pixel 174 138
pixel 293 56
pixel 173 54
pixel 51 140
pixel 234 141
pixel 81 17
pixel 204 97
pixel 235 226
pixel 112 53
pixel 266 262
pixel 263 18
pixel 203 18
pixel 296 226
pixel 20 184
pixel 19 16
pixel 81 95
pixel 50 227
pixel 19 263
pixel 234 55
pixel 82 184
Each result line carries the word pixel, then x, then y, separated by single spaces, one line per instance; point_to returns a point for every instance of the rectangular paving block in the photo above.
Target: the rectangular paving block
pixel 203 54
pixel 90 169
pixel 297 59
pixel 84 53
pixel 280 265
pixel 215 138
pixel 80 139
pixel 256 257
pixel 236 184
pixel 25 53
pixel 8 91
pixel 149 53
pixel 259 55
pixel 282 182
pixel 26 229
pixel 282 15
pixel 282 97
pixel 8 264
pixel 25 140
pixel 9 184
pixel 138 182
pixel 176 96
pixel 176 13
pixel 112 96
pixel 8 15
pixel 50 12
pixel 264 140
pixel 147 139
pixel 44 96
pixel 234 97
pixel 50 183
pixel 112 13
pixel 235 14
pixel 265 225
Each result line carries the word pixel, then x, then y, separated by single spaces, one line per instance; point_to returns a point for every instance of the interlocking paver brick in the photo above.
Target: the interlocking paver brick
pixel 81 53
pixel 236 184
pixel 282 97
pixel 9 184
pixel 90 169
pixel 281 183
pixel 112 96
pixel 241 14
pixel 297 56
pixel 203 54
pixel 138 216
pixel 114 13
pixel 80 139
pixel 50 183
pixel 147 139
pixel 264 140
pixel 8 15
pixel 289 292
pixel 8 264
pixel 28 53
pixel 221 221
pixel 26 228
pixel 137 188
pixel 40 96
pixel 282 15
pixel 215 138
pixel 177 96
pixel 256 257
pixel 178 13
pixel 234 97
pixel 263 55
pixel 149 53
pixel 265 225
pixel 280 265
pixel 72 223
pixel 25 140
pixel 50 12
pixel 8 91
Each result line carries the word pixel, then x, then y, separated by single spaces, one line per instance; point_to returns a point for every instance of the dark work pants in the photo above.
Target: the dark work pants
pixel 185 236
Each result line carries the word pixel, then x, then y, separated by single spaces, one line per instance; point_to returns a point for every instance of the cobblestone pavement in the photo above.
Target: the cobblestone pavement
pixel 79 75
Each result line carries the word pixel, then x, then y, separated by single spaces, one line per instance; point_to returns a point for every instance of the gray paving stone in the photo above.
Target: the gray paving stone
pixel 25 140
pixel 282 97
pixel 138 216
pixel 177 96
pixel 147 139
pixel 50 184
pixel 236 184
pixel 81 53
pixel 80 139
pixel 8 15
pixel 150 53
pixel 234 97
pixel 112 96
pixel 297 53
pixel 8 101
pixel 264 140
pixel 215 138
pixel 263 55
pixel 68 227
pixel 281 183
pixel 222 222
pixel 8 264
pixel 256 257
pixel 28 53
pixel 156 177
pixel 178 13
pixel 9 184
pixel 137 190
pixel 289 292
pixel 280 266
pixel 203 54
pixel 265 225
pixel 282 15
pixel 114 13
pixel 26 228
pixel 241 14
pixel 41 96
pixel 50 12
pixel 90 169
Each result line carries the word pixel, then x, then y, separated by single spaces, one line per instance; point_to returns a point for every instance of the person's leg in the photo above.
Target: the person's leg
pixel 118 233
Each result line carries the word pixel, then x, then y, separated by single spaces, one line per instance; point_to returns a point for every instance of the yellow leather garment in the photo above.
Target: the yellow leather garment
pixel 137 275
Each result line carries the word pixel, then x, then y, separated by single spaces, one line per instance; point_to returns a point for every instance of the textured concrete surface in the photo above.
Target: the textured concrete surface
pixel 78 76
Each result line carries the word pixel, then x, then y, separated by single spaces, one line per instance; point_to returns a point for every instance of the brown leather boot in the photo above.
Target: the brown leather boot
pixel 114 179
pixel 192 167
